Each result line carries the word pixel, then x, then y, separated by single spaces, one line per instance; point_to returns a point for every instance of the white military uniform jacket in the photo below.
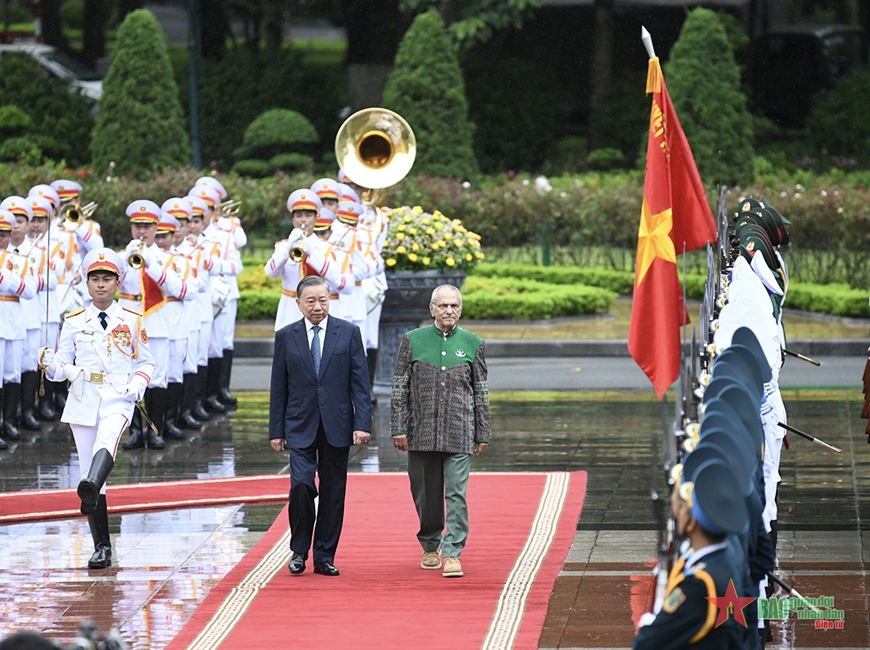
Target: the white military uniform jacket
pixel 16 284
pixel 104 366
pixel 161 323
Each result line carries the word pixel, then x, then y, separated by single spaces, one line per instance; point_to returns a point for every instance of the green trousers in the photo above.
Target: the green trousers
pixel 439 479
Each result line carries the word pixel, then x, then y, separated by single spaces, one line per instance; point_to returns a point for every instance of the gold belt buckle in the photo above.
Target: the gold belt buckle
pixel 96 378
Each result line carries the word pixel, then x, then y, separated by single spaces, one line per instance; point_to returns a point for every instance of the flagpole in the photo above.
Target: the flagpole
pixel 647 42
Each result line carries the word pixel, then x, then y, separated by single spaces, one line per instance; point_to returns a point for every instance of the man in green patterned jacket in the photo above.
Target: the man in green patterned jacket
pixel 440 416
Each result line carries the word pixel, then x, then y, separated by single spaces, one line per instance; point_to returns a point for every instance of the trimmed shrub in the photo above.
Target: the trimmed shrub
pixel 13 121
pixel 253 168
pixel 290 162
pixel 606 159
pixel 513 299
pixel 255 304
pixel 22 149
pixel 619 282
pixel 279 136
pixel 834 299
pixel 704 83
pixel 426 88
pixel 140 125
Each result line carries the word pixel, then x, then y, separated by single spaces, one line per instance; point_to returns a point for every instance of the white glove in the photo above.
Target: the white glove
pixel 295 235
pixel 76 377
pixel 646 619
pixel 133 245
pixel 136 389
pixel 282 249
pixel 46 360
pixel 308 243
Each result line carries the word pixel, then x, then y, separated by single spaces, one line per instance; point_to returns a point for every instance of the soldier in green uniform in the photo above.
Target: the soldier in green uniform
pixel 440 416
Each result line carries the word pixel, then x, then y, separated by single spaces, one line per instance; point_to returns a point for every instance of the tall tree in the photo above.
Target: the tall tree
pixel 704 81
pixel 214 29
pixel 52 24
pixel 374 29
pixel 140 124
pixel 427 89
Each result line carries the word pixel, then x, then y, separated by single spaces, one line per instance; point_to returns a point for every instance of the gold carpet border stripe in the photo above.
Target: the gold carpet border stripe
pixel 511 606
pixel 240 597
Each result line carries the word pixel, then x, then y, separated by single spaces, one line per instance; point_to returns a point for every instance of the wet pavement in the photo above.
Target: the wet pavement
pixel 165 562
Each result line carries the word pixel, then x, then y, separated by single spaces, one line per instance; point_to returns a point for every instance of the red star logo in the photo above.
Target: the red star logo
pixel 729 603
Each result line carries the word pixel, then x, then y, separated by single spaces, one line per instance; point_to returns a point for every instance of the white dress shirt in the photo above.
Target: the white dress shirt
pixel 309 330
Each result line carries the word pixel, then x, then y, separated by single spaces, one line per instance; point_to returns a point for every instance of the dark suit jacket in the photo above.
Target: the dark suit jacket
pixel 340 397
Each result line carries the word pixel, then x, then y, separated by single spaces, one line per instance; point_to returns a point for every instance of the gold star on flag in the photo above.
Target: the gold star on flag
pixel 654 239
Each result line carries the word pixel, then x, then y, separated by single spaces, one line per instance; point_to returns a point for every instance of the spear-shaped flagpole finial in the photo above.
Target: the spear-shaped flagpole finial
pixel 647 42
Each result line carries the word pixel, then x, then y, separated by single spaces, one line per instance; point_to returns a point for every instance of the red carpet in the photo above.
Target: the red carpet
pixel 34 505
pixel 522 526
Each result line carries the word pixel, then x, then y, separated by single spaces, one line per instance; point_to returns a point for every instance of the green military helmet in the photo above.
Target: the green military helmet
pixel 749 205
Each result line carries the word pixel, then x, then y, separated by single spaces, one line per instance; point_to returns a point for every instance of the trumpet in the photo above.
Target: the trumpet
pixel 229 209
pixel 136 259
pixel 296 254
pixel 72 216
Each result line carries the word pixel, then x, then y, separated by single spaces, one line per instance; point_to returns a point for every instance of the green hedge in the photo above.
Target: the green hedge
pixel 834 299
pixel 513 299
pixel 255 304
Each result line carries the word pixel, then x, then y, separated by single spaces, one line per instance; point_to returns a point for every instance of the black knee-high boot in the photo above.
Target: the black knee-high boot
pixel 29 386
pixel 157 412
pixel 200 412
pixel 187 420
pixel 136 440
pixel 213 386
pixel 99 525
pixel 171 428
pixel 224 394
pixel 11 400
pixel 90 486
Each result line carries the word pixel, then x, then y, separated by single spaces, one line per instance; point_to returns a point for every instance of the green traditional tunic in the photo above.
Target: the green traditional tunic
pixel 440 398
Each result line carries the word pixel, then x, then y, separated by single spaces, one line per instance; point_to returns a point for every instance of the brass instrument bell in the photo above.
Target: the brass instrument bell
pixel 296 254
pixel 375 147
pixel 71 217
pixel 136 259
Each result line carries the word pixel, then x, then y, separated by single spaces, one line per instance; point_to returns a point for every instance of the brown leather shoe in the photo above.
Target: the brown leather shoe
pixel 431 560
pixel 452 568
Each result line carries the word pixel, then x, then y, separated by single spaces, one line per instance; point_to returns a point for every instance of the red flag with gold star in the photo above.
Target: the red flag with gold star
pixel 675 217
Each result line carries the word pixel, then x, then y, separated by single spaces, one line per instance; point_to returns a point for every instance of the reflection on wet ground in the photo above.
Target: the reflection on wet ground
pixel 165 562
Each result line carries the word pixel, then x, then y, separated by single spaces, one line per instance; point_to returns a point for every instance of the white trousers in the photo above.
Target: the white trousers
pixel 176 361
pixel 203 342
pixel 223 330
pixel 160 352
pixel 10 362
pixel 30 351
pixel 105 434
pixel 191 352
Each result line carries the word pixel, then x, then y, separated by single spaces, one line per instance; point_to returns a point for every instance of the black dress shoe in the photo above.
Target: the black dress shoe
pixel 297 564
pixel 101 559
pixel 325 569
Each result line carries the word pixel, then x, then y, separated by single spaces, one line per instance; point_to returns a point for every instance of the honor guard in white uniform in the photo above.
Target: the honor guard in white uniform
pixel 65 254
pixel 228 223
pixel 177 313
pixel 49 314
pixel 32 316
pixel 148 286
pixel 374 226
pixel 88 235
pixel 303 254
pixel 15 284
pixel 206 262
pixel 346 238
pixel 104 354
pixel 225 301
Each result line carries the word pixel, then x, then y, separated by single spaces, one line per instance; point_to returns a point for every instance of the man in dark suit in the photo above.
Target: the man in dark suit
pixel 320 406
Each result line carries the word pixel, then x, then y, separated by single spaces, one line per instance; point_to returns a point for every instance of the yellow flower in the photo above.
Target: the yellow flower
pixel 430 231
pixel 412 257
pixel 425 261
pixel 450 261
pixel 407 218
pixel 412 231
pixel 401 228
pixel 426 222
pixel 391 262
pixel 417 210
pixel 415 247
pixel 401 250
pixel 479 255
pixel 400 236
pixel 469 257
pixel 448 235
pixel 459 242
